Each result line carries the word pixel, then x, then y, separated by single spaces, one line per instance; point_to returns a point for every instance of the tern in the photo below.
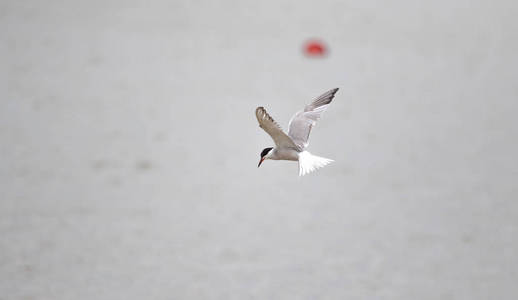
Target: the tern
pixel 292 146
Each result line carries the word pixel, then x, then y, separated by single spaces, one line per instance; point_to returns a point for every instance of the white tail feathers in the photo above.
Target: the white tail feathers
pixel 309 162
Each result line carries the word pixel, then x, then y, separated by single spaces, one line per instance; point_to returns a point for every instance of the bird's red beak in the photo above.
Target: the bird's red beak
pixel 261 161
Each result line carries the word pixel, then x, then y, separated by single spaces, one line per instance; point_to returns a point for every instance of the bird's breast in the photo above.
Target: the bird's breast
pixel 286 154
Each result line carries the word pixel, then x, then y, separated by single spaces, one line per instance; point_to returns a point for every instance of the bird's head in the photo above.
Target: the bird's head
pixel 265 154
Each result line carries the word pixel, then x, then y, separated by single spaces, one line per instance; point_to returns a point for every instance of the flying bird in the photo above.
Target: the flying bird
pixel 292 146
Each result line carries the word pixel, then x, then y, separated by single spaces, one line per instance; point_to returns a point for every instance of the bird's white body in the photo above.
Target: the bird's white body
pixel 292 146
pixel 284 154
pixel 307 161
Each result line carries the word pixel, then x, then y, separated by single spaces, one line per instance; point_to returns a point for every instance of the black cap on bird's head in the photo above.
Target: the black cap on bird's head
pixel 263 155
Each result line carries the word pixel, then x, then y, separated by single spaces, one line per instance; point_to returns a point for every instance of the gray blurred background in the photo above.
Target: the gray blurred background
pixel 129 150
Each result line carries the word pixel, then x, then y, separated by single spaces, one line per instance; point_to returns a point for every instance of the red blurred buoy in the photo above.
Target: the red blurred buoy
pixel 315 48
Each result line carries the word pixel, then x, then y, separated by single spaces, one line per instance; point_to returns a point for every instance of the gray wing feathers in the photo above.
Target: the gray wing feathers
pixel 268 124
pixel 302 122
pixel 323 99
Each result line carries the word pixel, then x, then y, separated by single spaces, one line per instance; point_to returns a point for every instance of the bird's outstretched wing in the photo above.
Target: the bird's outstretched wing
pixel 301 123
pixel 281 139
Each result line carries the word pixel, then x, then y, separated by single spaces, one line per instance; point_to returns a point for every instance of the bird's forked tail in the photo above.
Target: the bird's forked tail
pixel 309 162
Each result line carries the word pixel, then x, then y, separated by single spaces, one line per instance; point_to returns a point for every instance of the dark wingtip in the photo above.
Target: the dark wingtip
pixel 323 99
pixel 332 93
